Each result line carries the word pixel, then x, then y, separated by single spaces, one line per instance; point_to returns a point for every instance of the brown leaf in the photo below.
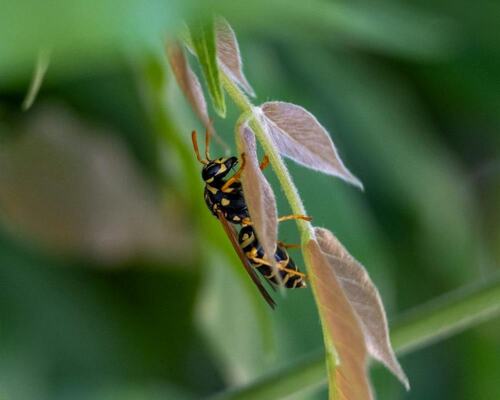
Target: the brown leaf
pixel 258 193
pixel 228 54
pixel 299 136
pixel 74 188
pixel 365 299
pixel 188 82
pixel 342 332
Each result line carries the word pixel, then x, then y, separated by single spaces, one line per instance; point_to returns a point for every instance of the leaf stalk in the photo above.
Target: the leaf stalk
pixel 277 164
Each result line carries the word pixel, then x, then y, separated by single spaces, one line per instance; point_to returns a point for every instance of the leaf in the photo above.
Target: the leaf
pixel 228 54
pixel 41 66
pixel 346 352
pixel 365 299
pixel 228 302
pixel 258 193
pixel 188 82
pixel 299 136
pixel 81 194
pixel 203 40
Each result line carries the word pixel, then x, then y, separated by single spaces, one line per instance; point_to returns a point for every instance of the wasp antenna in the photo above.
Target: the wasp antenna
pixel 207 144
pixel 196 149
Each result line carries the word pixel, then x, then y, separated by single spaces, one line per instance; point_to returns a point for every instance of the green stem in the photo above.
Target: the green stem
pixel 305 228
pixel 275 159
pixel 447 315
pixel 437 320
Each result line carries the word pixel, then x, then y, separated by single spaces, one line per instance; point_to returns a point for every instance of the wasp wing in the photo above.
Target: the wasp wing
pixel 234 241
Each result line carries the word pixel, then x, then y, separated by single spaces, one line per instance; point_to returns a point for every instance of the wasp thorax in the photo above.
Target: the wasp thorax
pixel 218 168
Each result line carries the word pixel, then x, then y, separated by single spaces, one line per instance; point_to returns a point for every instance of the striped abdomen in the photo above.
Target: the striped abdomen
pixel 287 270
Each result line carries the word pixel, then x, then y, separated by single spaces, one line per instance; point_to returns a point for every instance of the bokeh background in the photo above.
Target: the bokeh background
pixel 115 282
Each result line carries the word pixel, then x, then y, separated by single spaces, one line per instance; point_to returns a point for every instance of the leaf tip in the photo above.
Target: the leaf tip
pixel 228 54
pixel 400 374
pixel 352 179
pixel 220 109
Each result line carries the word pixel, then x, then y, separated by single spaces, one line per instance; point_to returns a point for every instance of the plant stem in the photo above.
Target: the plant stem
pixel 434 321
pixel 447 315
pixel 275 159
pixel 305 228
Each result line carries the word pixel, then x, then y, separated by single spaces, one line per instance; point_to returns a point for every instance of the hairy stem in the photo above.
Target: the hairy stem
pixel 279 168
pixel 437 320
pixel 256 121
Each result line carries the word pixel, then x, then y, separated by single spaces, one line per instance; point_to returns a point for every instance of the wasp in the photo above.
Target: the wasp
pixel 225 199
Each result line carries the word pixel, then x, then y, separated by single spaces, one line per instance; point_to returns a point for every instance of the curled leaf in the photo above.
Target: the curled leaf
pixel 188 82
pixel 345 344
pixel 191 87
pixel 205 46
pixel 365 300
pixel 258 193
pixel 228 54
pixel 299 136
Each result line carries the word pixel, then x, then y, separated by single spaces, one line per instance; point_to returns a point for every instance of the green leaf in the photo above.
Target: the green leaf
pixel 41 66
pixel 203 37
pixel 228 302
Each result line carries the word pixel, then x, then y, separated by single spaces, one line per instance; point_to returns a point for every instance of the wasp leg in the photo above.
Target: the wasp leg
pixel 264 163
pixel 294 216
pixel 280 267
pixel 293 272
pixel 288 245
pixel 248 221
pixel 236 176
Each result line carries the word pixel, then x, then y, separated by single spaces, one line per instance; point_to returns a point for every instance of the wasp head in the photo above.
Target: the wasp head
pixel 218 168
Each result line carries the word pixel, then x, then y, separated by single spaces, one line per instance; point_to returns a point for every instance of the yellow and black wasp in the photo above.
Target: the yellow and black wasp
pixel 224 197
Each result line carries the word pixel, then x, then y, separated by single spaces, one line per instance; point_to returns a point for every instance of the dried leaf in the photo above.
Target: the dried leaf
pixel 258 193
pixel 75 189
pixel 299 136
pixel 203 40
pixel 345 344
pixel 191 87
pixel 365 299
pixel 228 54
pixel 188 82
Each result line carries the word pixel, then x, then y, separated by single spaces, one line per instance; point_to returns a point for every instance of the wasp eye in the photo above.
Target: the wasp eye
pixel 230 162
pixel 210 170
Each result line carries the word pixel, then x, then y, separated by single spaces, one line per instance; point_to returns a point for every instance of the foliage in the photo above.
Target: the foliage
pixel 352 314
pixel 104 230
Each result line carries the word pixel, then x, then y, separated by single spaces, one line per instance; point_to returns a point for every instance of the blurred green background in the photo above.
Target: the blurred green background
pixel 115 282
